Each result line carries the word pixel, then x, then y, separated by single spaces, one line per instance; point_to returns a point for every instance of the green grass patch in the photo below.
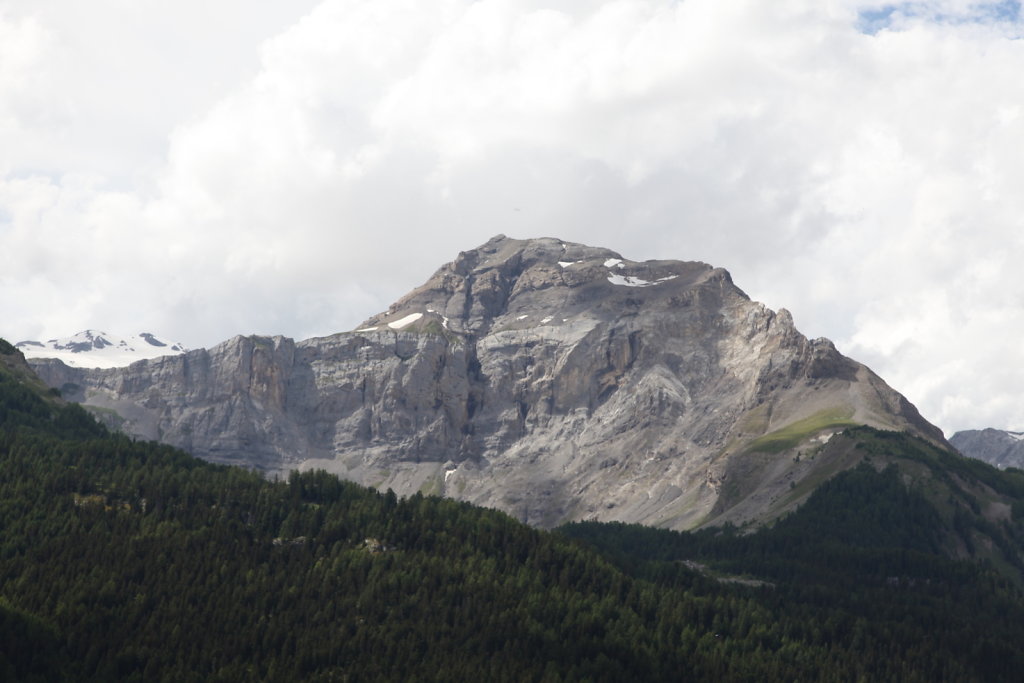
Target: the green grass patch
pixel 793 434
pixel 757 420
pixel 432 487
pixel 432 327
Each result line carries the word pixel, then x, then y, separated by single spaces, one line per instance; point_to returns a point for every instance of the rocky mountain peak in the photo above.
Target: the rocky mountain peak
pixel 998 447
pixel 553 380
pixel 517 284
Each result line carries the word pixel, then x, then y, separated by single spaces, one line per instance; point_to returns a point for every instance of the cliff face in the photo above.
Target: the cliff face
pixel 552 380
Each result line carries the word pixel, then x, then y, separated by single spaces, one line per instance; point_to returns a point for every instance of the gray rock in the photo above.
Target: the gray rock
pixel 552 380
pixel 995 446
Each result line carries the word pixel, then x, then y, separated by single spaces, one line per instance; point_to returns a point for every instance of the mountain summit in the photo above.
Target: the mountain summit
pixel 95 349
pixel 552 380
pixel 997 447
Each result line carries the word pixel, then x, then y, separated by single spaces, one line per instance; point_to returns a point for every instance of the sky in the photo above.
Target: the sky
pixel 200 170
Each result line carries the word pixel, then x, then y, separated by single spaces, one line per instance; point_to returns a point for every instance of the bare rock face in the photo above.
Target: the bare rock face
pixel 997 447
pixel 552 380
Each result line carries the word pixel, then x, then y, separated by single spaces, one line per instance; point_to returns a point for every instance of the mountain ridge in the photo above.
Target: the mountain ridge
pixel 549 379
pixel 999 447
pixel 97 349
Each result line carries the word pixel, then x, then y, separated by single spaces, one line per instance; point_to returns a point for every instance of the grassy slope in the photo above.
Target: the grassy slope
pixel 794 434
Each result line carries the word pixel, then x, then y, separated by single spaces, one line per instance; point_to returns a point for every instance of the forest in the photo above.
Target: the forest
pixel 129 561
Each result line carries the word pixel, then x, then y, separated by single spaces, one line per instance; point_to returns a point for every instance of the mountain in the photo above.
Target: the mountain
pixel 128 560
pixel 552 380
pixel 995 446
pixel 94 349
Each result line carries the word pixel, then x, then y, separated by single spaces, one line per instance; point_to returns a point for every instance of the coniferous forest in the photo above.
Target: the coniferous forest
pixel 122 560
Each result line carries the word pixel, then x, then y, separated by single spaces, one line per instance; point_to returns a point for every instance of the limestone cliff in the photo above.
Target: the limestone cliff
pixel 552 380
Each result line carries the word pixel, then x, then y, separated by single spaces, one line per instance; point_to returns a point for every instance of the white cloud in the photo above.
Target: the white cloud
pixel 267 170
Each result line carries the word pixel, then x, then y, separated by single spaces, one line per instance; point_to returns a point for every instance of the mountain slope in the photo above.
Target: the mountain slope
pixel 551 380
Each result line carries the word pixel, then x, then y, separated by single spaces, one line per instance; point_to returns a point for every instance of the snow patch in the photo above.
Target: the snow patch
pixel 823 438
pixel 367 329
pixel 627 281
pixel 407 320
pixel 1016 436
pixel 96 349
pixel 546 320
pixel 522 317
pixel 613 263
pixel 566 264
pixel 447 475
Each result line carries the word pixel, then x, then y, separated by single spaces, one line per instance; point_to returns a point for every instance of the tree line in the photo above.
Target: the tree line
pixel 123 560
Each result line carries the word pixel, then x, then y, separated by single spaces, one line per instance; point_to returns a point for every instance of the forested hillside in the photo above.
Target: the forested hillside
pixel 122 560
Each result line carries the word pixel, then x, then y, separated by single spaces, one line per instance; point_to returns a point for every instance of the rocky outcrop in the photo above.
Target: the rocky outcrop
pixel 995 446
pixel 552 380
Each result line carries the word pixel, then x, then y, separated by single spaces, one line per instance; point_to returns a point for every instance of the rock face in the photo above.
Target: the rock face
pixel 552 380
pixel 995 446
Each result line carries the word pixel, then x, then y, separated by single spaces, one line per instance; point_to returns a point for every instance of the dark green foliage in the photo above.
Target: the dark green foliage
pixel 860 563
pixel 7 348
pixel 151 565
pixel 21 407
pixel 967 492
pixel 130 561
pixel 29 649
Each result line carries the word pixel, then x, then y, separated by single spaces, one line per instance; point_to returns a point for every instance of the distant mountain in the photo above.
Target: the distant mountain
pixel 94 349
pixel 552 380
pixel 995 446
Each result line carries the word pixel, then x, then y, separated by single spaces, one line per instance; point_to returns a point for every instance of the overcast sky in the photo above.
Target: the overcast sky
pixel 205 169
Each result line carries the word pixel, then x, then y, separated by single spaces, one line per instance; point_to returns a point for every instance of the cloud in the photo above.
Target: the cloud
pixel 854 162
